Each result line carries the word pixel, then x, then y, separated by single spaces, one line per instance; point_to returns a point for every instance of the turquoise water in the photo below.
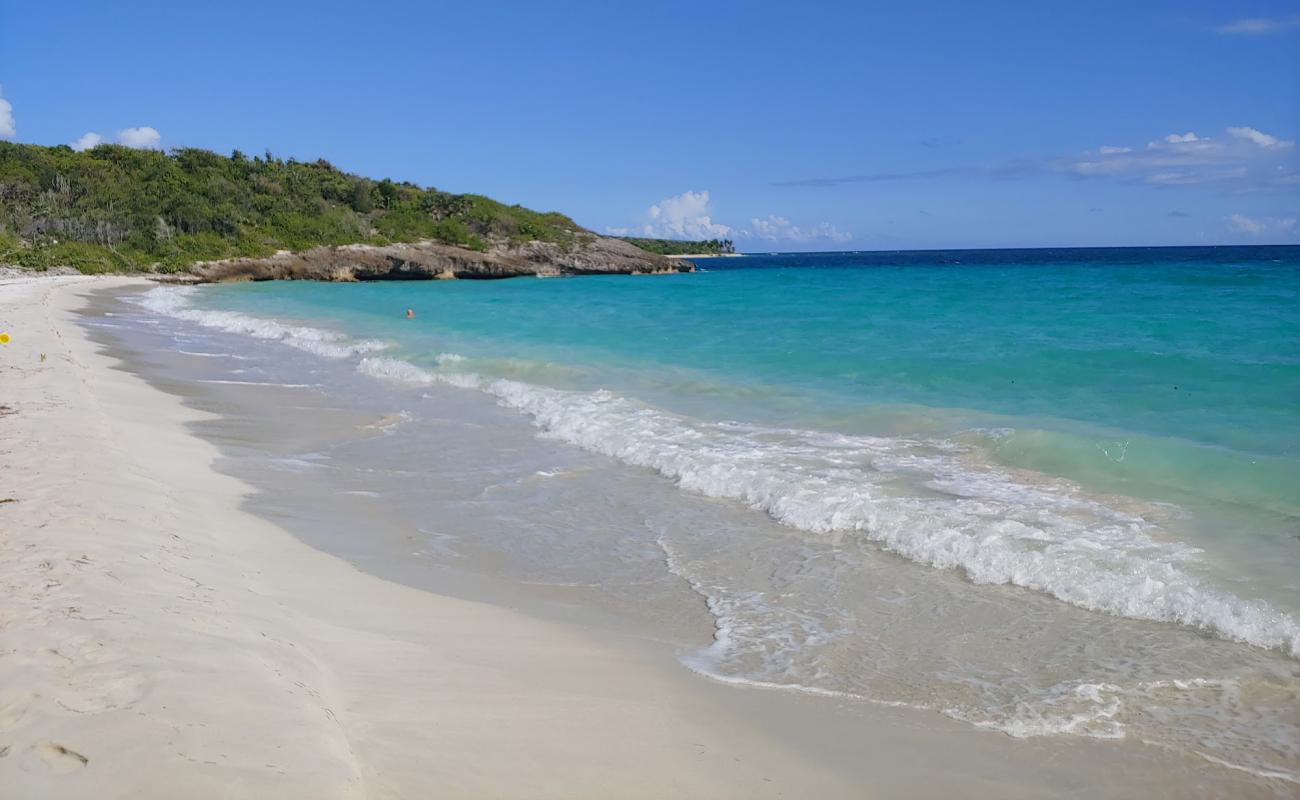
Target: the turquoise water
pixel 1044 492
pixel 1207 353
pixel 1171 374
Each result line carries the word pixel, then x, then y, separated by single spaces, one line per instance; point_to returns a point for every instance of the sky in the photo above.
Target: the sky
pixel 782 126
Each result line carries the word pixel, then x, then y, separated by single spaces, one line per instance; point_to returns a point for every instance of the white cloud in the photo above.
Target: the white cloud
pixel 683 216
pixel 145 138
pixel 1258 26
pixel 1242 224
pixel 1239 223
pixel 1246 159
pixel 689 216
pixel 1185 143
pixel 775 228
pixel 8 129
pixel 1258 137
pixel 88 140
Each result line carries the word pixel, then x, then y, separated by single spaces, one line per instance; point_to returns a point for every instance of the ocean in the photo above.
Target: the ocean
pixel 1044 492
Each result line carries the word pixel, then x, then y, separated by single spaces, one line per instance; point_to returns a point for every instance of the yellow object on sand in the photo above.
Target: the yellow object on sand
pixel 4 338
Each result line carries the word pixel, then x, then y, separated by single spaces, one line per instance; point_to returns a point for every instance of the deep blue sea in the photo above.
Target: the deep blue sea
pixel 1101 437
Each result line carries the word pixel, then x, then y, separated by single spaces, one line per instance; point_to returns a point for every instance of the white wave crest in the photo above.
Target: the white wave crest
pixel 1050 538
pixel 173 301
pixel 981 521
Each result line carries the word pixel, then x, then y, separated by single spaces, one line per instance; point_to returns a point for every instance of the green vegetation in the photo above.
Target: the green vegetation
pixel 113 208
pixel 678 247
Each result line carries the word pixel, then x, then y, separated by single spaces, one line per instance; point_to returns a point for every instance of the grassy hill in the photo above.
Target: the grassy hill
pixel 114 208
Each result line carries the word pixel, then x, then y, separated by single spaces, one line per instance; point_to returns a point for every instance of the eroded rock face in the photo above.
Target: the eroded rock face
pixel 590 255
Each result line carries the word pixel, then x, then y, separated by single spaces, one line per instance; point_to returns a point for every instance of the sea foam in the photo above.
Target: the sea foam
pixel 173 301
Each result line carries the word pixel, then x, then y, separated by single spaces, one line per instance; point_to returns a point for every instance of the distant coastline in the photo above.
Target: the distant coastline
pixel 704 255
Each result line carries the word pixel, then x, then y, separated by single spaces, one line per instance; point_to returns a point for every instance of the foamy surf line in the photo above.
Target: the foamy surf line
pixel 173 301
pixel 1050 538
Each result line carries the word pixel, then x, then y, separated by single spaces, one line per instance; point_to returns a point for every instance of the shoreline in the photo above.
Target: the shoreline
pixel 162 641
pixel 705 255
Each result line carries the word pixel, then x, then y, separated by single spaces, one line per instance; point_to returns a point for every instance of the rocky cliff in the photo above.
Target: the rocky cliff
pixel 586 255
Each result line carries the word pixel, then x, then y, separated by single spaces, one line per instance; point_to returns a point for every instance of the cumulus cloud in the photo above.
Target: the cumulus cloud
pixel 8 129
pixel 689 215
pixel 776 228
pixel 1239 223
pixel 1258 26
pixel 1258 137
pixel 683 216
pixel 144 138
pixel 88 140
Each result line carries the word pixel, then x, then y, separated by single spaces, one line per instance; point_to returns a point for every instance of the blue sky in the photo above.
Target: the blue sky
pixel 784 126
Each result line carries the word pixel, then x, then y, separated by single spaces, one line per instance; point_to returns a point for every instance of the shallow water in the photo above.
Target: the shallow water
pixel 966 487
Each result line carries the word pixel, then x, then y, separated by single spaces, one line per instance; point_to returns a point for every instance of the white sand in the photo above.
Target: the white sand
pixel 158 642
pixel 183 648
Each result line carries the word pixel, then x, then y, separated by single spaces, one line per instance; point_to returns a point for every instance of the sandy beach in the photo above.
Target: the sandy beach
pixel 922 423
pixel 157 640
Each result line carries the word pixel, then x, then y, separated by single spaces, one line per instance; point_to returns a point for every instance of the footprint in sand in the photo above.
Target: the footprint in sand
pixel 53 758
